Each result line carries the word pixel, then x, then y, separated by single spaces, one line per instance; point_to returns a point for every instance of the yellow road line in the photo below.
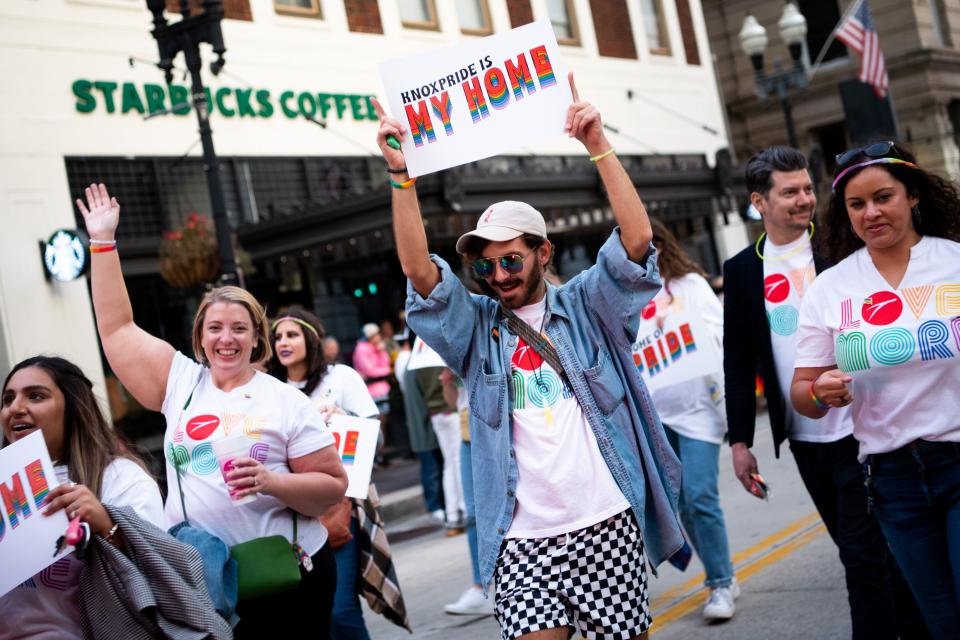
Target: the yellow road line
pixel 696 582
pixel 684 599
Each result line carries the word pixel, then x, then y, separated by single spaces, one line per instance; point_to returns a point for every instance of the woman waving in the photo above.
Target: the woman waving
pixel 291 467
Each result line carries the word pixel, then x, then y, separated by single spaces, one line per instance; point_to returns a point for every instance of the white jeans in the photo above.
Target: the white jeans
pixel 447 428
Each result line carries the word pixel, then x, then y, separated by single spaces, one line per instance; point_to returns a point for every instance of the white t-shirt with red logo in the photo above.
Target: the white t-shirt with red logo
pixel 278 421
pixel 788 272
pixel 901 345
pixel 343 387
pixel 563 483
pixel 45 606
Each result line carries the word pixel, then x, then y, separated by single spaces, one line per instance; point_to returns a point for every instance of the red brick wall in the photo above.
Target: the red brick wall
pixel 363 16
pixel 614 33
pixel 232 9
pixel 520 12
pixel 687 33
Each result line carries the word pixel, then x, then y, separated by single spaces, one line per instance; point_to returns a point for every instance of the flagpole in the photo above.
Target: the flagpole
pixel 833 36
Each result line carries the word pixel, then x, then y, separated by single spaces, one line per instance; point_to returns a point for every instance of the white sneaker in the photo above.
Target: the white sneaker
pixel 439 516
pixel 735 588
pixel 471 603
pixel 720 605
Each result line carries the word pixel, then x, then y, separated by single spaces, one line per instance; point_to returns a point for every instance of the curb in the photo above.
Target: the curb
pixel 400 505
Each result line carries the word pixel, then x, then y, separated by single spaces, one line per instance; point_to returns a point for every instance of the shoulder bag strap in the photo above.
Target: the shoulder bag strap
pixel 536 341
pixel 176 464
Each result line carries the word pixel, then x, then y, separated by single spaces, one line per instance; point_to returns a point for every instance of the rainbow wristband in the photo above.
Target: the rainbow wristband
pixel 406 184
pixel 103 248
pixel 603 155
pixel 823 406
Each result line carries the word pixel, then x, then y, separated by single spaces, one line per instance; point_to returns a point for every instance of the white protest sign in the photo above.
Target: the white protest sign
pixel 683 349
pixel 356 441
pixel 478 99
pixel 27 537
pixel 422 356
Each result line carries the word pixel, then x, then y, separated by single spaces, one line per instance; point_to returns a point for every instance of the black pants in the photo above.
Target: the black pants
pixel 881 604
pixel 303 612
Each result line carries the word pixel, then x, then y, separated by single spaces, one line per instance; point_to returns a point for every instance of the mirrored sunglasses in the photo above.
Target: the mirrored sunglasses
pixel 512 263
pixel 875 150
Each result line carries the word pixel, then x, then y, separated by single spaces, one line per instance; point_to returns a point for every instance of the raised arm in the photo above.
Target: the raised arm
pixel 141 361
pixel 584 124
pixel 407 221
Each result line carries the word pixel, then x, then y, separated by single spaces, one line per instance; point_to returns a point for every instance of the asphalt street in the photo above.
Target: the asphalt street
pixel 788 568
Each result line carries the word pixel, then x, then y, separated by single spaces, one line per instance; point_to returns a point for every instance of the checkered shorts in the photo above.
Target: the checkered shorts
pixel 593 580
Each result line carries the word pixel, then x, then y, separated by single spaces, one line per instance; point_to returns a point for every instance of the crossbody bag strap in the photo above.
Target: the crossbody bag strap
pixel 176 464
pixel 536 341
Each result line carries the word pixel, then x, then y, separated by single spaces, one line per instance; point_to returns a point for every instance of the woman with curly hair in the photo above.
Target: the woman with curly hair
pixel 880 332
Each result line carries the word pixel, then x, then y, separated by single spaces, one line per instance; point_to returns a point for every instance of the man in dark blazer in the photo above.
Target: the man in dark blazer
pixel 763 288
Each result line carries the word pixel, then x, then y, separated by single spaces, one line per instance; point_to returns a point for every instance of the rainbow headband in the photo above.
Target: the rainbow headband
pixel 300 322
pixel 867 163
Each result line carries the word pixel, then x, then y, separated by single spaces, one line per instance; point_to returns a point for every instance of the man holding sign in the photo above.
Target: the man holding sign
pixel 570 461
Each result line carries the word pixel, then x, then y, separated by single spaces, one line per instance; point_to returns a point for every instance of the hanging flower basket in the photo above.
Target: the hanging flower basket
pixel 188 256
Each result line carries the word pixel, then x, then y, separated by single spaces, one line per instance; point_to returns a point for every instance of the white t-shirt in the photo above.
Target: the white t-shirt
pixel 693 408
pixel 279 422
pixel 563 483
pixel 342 386
pixel 788 271
pixel 45 606
pixel 901 346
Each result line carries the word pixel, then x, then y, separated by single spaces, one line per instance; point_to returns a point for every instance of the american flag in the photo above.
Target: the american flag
pixel 859 33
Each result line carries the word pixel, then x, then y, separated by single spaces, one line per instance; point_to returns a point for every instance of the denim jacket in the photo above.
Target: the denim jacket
pixel 591 320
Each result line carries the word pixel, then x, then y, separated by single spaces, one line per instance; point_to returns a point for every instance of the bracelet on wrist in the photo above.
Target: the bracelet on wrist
pixel 603 155
pixel 112 532
pixel 402 185
pixel 823 406
pixel 103 248
pixel 95 241
pixel 402 169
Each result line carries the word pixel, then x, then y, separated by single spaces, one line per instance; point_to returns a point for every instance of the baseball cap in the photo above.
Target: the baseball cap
pixel 505 221
pixel 370 330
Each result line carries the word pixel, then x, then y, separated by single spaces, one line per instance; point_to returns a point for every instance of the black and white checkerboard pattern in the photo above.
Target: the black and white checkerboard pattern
pixel 593 580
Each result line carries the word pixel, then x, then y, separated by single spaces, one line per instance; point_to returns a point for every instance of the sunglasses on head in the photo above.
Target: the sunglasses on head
pixel 512 263
pixel 874 150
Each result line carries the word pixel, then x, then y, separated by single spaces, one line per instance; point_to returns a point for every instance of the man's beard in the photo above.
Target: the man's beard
pixel 529 289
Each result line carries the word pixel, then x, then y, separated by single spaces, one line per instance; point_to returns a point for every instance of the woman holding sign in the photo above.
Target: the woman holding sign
pixel 54 397
pixel 693 416
pixel 880 332
pixel 298 338
pixel 246 454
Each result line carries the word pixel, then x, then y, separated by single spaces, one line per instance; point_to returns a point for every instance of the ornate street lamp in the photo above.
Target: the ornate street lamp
pixel 186 36
pixel 753 40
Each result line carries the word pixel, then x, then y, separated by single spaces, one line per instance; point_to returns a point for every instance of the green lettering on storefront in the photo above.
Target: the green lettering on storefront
pixel 230 102
pixel 131 99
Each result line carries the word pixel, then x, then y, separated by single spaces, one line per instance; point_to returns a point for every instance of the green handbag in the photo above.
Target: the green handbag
pixel 266 565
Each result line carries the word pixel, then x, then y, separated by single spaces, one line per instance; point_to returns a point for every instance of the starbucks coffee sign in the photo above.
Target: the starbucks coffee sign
pixel 107 96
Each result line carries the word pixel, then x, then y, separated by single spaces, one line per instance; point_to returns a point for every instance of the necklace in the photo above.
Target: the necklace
pixel 537 375
pixel 788 254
